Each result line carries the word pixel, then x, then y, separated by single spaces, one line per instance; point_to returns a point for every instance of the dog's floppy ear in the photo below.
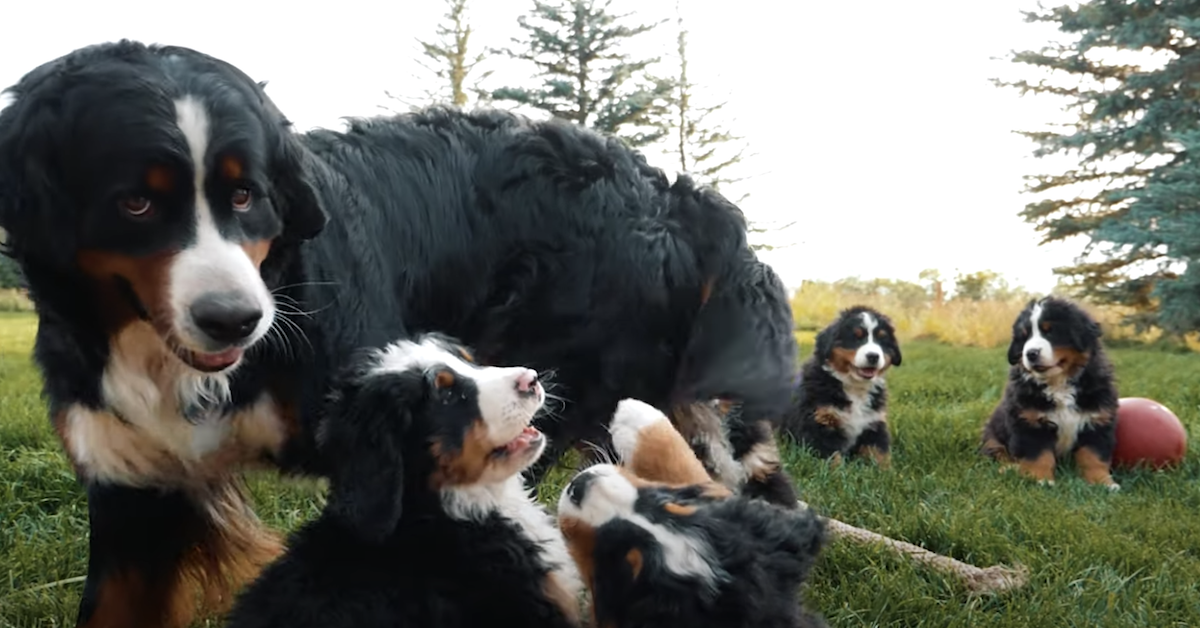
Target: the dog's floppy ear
pixel 824 348
pixel 893 349
pixel 360 441
pixel 1014 349
pixel 303 215
pixel 33 208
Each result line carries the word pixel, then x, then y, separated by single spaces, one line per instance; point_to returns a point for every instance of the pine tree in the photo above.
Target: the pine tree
pixel 576 47
pixel 449 59
pixel 1132 70
pixel 705 149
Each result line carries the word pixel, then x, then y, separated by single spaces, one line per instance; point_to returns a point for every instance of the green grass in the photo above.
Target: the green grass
pixel 1095 559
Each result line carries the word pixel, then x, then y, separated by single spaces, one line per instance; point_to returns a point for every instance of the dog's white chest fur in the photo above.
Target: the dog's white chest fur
pixel 142 437
pixel 859 415
pixel 1066 417
pixel 513 501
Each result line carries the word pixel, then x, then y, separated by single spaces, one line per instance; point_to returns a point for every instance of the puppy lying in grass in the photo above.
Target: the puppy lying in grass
pixel 658 543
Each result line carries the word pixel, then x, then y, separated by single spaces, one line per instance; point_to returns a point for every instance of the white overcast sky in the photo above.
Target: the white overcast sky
pixel 874 124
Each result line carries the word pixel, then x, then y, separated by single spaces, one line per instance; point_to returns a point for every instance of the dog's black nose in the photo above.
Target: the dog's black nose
pixel 225 317
pixel 872 358
pixel 579 487
pixel 1033 354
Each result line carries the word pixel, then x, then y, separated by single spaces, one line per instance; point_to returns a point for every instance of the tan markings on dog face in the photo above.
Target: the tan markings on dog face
pixel 561 596
pixel 257 250
pixel 1072 361
pixel 466 355
pixel 147 276
pixel 1040 468
pixel 828 416
pixel 231 168
pixel 636 561
pixel 443 379
pixel 662 455
pixel 841 359
pixel 1033 417
pixel 161 179
pixel 465 465
pixel 1095 470
pixel 679 510
pixel 881 458
pixel 762 461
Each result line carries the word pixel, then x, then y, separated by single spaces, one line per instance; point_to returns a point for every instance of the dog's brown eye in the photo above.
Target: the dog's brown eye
pixel 881 333
pixel 241 199
pixel 136 206
pixel 1045 326
pixel 859 333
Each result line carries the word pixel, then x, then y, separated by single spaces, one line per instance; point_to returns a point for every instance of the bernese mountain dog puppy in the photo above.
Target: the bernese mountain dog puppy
pixel 840 403
pixel 428 522
pixel 658 543
pixel 1061 397
pixel 201 270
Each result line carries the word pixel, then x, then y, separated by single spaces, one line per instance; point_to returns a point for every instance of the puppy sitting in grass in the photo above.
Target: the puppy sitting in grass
pixel 840 405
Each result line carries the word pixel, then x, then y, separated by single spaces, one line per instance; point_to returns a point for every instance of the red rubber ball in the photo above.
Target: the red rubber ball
pixel 1148 434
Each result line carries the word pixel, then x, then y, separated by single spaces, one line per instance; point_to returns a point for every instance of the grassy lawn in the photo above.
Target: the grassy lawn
pixel 1095 559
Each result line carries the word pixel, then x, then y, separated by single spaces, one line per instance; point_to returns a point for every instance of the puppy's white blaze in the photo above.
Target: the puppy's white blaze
pixel 504 411
pixel 631 416
pixel 610 496
pixel 1037 341
pixel 860 356
pixel 211 263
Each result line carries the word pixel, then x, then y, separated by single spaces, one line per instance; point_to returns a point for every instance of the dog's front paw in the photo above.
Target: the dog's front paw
pixel 628 422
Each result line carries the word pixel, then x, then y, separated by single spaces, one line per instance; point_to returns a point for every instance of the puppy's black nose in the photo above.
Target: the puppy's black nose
pixel 579 487
pixel 225 317
pixel 1033 354
pixel 872 358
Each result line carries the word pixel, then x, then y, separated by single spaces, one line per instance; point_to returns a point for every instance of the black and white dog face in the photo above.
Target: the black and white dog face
pixel 166 177
pixel 860 344
pixel 1053 337
pixel 419 418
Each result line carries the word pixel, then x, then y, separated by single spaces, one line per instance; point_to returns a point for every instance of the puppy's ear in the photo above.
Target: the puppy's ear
pixel 824 348
pixel 893 350
pixel 361 443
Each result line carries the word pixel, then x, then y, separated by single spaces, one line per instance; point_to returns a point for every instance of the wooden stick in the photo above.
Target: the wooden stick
pixel 994 579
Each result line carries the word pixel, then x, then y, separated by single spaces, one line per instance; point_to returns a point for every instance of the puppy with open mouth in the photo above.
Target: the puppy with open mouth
pixel 840 404
pixel 428 522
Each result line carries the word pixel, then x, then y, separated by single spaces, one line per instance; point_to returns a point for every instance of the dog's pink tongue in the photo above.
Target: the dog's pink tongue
pixel 218 360
pixel 528 435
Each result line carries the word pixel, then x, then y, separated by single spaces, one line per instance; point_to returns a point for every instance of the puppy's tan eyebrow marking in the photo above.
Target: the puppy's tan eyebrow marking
pixel 160 179
pixel 232 168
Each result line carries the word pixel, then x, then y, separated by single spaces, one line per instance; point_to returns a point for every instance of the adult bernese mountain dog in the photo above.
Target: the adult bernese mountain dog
pixel 840 403
pixel 201 270
pixel 658 543
pixel 428 521
pixel 1061 397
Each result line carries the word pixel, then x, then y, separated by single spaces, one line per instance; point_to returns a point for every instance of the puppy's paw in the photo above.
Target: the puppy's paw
pixel 629 421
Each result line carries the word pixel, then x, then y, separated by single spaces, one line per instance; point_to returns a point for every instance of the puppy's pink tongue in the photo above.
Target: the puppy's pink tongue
pixel 528 435
pixel 218 360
